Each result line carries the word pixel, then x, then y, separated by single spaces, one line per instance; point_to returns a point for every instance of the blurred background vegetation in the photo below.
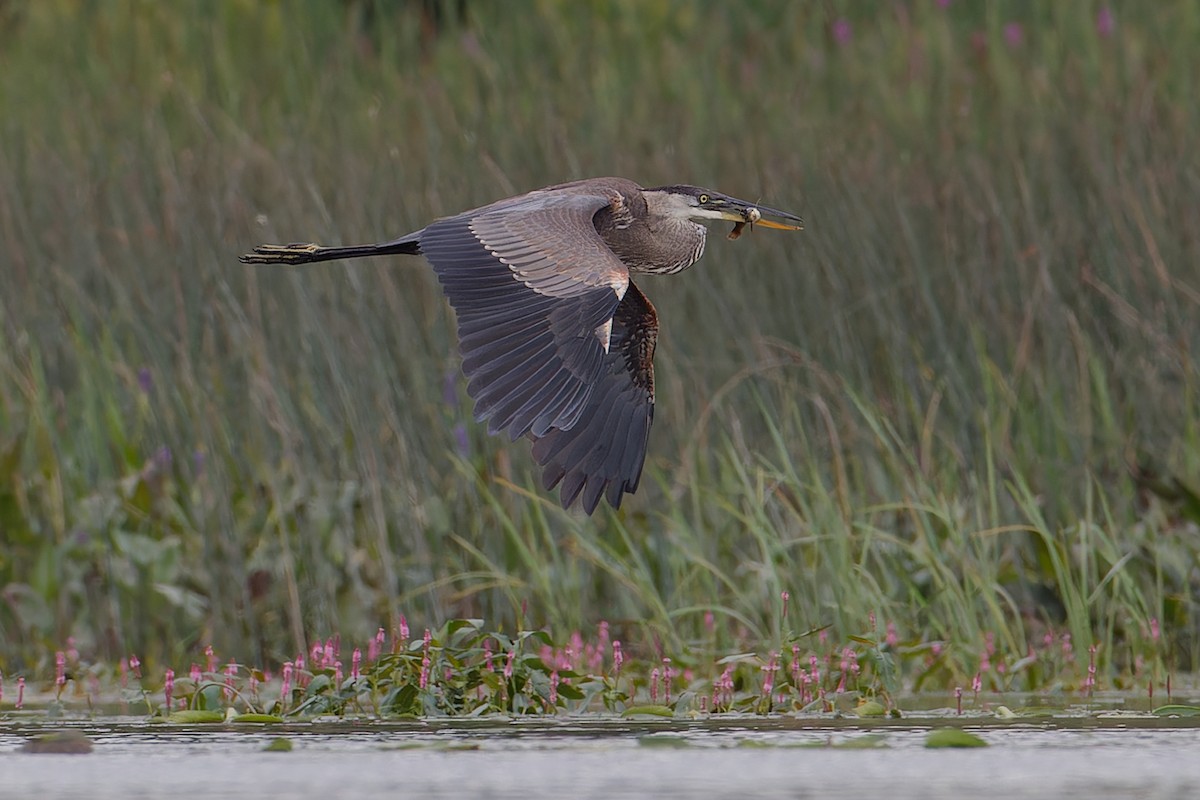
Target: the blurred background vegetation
pixel 963 401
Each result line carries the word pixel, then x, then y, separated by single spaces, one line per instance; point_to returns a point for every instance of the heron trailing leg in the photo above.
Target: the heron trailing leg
pixel 309 253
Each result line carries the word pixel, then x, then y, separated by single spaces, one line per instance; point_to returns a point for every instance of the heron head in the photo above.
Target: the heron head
pixel 695 203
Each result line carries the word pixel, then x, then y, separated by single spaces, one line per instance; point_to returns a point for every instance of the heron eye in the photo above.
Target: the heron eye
pixel 703 199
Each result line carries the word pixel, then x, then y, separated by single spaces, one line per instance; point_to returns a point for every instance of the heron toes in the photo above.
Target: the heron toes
pixel 295 253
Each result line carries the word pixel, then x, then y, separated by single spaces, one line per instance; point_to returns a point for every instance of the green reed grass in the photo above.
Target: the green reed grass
pixel 928 406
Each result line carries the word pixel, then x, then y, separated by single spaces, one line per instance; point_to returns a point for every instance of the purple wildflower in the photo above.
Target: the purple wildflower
pixel 842 30
pixel 1105 22
pixel 285 688
pixel 1014 34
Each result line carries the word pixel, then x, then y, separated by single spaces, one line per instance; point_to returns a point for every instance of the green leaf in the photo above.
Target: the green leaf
pixel 280 745
pixel 569 692
pixel 870 708
pixel 953 737
pixel 1177 711
pixel 650 711
pixel 737 658
pixel 195 716
pixel 663 740
pixel 257 718
pixel 318 684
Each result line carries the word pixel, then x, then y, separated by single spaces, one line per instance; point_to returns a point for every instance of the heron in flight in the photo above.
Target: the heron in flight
pixel 557 342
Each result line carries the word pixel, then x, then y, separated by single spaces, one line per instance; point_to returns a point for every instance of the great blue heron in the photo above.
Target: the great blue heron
pixel 557 342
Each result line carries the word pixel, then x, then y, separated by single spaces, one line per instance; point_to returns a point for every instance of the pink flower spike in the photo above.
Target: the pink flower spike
pixel 1105 22
pixel 231 671
pixel 1014 34
pixel 136 666
pixel 331 653
pixel 554 687
pixel 618 657
pixel 376 646
pixel 60 669
pixel 21 692
pixel 1154 632
pixel 285 689
pixel 785 596
pixel 654 685
pixel 355 662
pixel 317 653
pixel 169 686
pixel 212 658
pixel 403 630
pixel 976 684
pixel 337 673
pixel 508 664
pixel 842 30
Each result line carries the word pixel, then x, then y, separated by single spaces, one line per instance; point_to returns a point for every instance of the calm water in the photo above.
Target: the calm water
pixel 794 758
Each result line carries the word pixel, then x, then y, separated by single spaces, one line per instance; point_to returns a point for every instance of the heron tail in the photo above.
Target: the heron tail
pixel 309 253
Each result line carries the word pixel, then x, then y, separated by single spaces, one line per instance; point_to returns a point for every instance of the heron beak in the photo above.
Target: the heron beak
pixel 739 211
pixel 783 220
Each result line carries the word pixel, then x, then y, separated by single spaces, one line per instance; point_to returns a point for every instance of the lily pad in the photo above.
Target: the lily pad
pixel 1177 711
pixel 257 718
pixel 870 708
pixel 663 740
pixel 60 742
pixel 953 737
pixel 280 745
pixel 195 716
pixel 651 711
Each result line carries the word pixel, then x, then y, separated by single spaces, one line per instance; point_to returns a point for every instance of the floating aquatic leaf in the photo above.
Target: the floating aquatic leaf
pixel 870 708
pixel 280 745
pixel 68 742
pixel 652 711
pixel 195 716
pixel 870 741
pixel 663 740
pixel 1177 711
pixel 1004 712
pixel 953 737
pixel 257 718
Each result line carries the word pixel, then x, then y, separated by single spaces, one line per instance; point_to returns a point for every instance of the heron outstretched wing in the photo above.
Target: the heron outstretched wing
pixel 533 286
pixel 603 454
